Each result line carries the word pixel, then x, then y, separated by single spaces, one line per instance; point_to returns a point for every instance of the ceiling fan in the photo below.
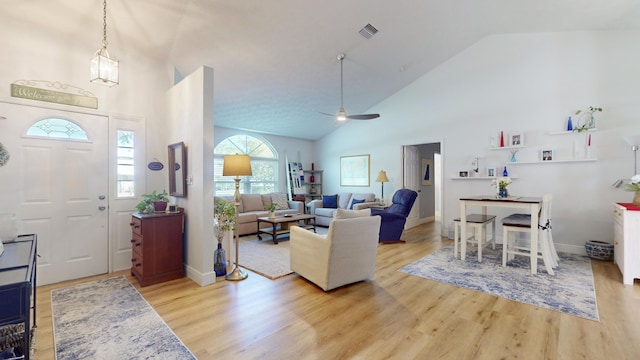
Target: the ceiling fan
pixel 342 115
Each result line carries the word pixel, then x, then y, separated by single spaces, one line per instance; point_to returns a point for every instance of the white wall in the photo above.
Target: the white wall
pixel 64 61
pixel 519 82
pixel 191 121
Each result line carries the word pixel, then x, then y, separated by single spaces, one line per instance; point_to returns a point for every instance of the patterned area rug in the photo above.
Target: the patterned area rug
pixel 266 258
pixel 109 319
pixel 570 291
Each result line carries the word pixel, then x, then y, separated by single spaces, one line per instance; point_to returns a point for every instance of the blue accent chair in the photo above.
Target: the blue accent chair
pixel 395 216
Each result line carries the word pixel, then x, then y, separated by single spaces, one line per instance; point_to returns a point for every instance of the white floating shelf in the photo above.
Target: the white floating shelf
pixel 550 161
pixel 571 132
pixel 480 177
pixel 506 147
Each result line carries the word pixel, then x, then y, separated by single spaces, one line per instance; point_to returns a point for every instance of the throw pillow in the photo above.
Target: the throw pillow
pixel 349 214
pixel 280 200
pixel 330 201
pixel 355 201
pixel 252 202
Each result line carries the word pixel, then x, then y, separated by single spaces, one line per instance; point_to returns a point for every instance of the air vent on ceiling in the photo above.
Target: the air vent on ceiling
pixel 368 31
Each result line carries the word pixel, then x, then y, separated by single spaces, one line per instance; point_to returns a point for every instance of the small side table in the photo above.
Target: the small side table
pixel 380 206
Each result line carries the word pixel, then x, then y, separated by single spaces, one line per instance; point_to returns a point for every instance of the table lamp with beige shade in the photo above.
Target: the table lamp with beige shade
pixel 382 178
pixel 236 165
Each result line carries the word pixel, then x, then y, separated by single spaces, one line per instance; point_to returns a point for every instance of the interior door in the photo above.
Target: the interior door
pixel 412 181
pixel 58 188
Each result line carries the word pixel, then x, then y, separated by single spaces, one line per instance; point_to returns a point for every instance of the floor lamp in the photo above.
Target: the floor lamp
pixel 236 165
pixel 382 178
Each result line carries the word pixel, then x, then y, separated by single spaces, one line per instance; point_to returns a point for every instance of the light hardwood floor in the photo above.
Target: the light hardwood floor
pixel 393 316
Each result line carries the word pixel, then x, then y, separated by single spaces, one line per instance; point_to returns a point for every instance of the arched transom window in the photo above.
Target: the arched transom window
pixel 264 165
pixel 56 128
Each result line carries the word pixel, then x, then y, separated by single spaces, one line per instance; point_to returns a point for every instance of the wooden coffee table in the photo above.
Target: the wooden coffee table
pixel 285 223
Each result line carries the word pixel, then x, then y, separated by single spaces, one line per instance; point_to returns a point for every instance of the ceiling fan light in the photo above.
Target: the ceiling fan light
pixel 342 115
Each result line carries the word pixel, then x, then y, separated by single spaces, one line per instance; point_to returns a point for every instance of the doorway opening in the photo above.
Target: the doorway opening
pixel 422 172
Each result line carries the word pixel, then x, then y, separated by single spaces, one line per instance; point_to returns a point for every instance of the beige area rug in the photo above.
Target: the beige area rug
pixel 266 258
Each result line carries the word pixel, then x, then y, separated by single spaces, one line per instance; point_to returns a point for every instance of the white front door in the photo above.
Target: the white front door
pixel 58 189
pixel 412 181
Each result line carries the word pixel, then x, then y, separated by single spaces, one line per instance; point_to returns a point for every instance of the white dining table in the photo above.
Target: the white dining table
pixel 532 204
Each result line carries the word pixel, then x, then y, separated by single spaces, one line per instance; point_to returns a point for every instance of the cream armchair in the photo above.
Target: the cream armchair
pixel 346 254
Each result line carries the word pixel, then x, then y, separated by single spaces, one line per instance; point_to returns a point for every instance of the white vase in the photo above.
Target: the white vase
pixel 8 227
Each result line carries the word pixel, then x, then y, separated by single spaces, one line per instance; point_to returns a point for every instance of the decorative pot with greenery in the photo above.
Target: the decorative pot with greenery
pixel 272 210
pixel 590 120
pixel 634 186
pixel 153 202
pixel 225 216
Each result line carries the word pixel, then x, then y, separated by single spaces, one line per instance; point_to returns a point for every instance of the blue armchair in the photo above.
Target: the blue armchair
pixel 394 217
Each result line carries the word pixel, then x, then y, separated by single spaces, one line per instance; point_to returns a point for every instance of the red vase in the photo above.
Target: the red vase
pixel 312 179
pixel 501 139
pixel 313 166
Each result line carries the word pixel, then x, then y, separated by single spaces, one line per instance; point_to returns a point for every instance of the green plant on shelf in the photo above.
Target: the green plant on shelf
pixel 590 120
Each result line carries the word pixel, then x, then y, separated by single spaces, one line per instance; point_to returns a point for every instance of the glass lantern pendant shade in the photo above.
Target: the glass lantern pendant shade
pixel 104 70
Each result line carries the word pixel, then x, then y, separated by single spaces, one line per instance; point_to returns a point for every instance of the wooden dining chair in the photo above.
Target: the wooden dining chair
pixel 478 223
pixel 521 223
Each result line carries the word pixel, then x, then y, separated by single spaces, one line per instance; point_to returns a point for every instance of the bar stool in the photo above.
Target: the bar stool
pixel 478 223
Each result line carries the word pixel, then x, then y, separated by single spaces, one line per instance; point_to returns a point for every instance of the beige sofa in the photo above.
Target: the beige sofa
pixel 324 215
pixel 252 206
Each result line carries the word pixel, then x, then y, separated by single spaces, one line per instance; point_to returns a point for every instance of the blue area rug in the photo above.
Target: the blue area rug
pixel 109 319
pixel 570 291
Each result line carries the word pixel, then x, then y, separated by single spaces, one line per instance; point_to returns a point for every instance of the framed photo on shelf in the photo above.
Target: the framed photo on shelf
pixel 546 155
pixel 491 172
pixel 463 173
pixel 516 139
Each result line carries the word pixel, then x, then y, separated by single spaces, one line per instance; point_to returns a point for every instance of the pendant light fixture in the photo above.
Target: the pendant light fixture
pixel 104 69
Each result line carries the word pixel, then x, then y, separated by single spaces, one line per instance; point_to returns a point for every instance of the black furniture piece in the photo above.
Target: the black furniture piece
pixel 18 293
pixel 395 216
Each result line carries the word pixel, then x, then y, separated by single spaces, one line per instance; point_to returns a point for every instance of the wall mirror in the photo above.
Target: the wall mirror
pixel 177 170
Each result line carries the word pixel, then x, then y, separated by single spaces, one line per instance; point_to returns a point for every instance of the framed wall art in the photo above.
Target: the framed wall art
pixel 354 170
pixel 546 155
pixel 427 172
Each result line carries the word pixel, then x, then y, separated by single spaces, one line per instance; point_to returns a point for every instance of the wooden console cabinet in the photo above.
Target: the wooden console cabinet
pixel 156 243
pixel 626 241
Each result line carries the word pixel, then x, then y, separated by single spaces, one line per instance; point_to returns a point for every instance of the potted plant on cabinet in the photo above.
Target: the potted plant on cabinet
pixel 225 221
pixel 153 202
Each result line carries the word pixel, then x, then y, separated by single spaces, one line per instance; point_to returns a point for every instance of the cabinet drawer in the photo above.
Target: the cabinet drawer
pixel 136 243
pixel 136 226
pixel 136 263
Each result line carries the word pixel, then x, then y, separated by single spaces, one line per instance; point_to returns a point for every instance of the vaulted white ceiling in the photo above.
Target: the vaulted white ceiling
pixel 275 61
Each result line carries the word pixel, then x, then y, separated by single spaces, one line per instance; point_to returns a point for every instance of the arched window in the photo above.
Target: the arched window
pixel 56 128
pixel 264 165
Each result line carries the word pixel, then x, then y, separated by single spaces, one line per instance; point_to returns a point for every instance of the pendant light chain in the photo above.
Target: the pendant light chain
pixel 104 25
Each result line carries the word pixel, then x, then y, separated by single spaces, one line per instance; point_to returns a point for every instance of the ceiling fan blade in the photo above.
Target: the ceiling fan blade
pixel 324 113
pixel 342 115
pixel 363 116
